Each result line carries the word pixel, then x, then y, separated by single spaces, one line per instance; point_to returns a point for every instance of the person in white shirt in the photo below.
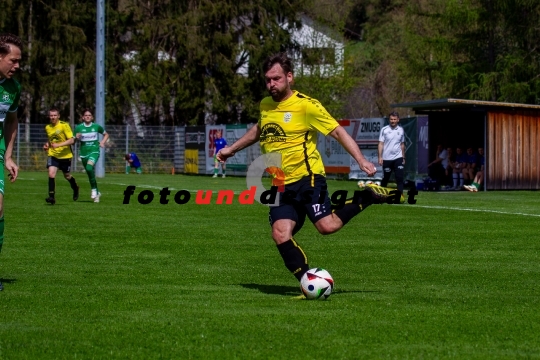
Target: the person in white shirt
pixel 391 150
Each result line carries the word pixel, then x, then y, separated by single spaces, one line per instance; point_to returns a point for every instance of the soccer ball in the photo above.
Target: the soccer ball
pixel 361 184
pixel 369 182
pixel 317 284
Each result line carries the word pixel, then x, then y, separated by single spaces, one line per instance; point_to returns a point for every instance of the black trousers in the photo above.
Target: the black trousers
pixel 399 170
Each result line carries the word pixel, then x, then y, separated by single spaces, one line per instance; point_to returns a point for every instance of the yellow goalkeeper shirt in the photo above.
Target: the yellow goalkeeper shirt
pixel 57 134
pixel 290 127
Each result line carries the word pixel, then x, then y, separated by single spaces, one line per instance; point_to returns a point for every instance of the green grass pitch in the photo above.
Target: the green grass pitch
pixel 456 275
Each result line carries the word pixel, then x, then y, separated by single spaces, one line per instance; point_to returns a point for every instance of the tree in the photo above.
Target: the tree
pixel 201 44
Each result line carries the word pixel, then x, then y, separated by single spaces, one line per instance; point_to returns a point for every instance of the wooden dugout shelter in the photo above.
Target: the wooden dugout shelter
pixel 508 132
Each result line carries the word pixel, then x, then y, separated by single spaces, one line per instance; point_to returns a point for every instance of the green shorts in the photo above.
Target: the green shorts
pixel 92 157
pixel 138 170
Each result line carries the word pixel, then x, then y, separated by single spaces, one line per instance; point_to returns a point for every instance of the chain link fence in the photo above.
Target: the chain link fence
pixel 154 145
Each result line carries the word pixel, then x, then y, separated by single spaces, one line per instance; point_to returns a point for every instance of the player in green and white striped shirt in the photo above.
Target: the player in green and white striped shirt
pixel 88 134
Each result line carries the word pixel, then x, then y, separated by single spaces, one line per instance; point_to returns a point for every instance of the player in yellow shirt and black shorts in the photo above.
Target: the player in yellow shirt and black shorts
pixel 288 125
pixel 58 147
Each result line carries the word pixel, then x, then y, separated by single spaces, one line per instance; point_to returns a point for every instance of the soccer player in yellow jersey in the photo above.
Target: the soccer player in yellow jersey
pixel 58 147
pixel 288 124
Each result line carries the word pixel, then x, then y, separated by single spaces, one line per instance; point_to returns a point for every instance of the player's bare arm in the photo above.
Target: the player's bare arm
pixel 104 140
pixel 249 138
pixel 340 134
pixel 10 133
pixel 380 148
pixel 64 143
pixel 403 151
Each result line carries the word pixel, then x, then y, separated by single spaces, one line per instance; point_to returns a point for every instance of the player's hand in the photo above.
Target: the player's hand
pixel 368 167
pixel 46 147
pixel 224 154
pixel 380 161
pixel 54 146
pixel 78 136
pixel 13 170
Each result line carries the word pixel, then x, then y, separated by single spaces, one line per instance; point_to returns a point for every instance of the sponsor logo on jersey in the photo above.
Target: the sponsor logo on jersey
pixel 287 117
pixel 93 136
pixel 272 133
pixel 5 97
pixel 4 109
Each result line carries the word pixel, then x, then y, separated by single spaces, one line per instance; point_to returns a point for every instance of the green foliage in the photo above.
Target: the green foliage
pixel 421 50
pixel 183 61
pixel 490 49
pixel 329 88
pixel 202 44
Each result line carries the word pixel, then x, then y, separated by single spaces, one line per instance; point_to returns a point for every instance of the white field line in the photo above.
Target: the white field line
pixel 475 210
pixel 143 186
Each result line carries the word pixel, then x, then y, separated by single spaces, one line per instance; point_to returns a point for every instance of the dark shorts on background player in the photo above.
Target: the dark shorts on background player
pixel 303 198
pixel 62 164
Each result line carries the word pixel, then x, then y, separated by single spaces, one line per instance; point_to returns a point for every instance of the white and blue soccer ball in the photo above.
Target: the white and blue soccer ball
pixel 317 284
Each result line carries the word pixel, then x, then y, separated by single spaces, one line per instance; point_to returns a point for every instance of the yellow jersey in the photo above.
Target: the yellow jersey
pixel 57 134
pixel 290 127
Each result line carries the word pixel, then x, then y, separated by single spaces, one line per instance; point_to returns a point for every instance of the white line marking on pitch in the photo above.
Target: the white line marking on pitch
pixel 145 186
pixel 475 210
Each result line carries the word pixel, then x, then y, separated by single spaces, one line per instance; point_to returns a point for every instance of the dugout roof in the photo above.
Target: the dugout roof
pixel 427 106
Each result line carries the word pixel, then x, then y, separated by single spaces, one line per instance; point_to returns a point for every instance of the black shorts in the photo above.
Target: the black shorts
pixel 307 196
pixel 62 164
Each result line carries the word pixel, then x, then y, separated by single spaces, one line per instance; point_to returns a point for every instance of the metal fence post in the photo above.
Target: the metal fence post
pixel 127 142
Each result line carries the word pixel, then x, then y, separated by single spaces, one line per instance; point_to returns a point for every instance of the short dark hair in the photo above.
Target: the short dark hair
pixel 127 157
pixel 394 113
pixel 53 108
pixel 87 110
pixel 7 39
pixel 278 58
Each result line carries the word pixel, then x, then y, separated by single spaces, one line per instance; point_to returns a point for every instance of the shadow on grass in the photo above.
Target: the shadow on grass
pixel 295 290
pixel 274 289
pixel 337 291
pixel 7 281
